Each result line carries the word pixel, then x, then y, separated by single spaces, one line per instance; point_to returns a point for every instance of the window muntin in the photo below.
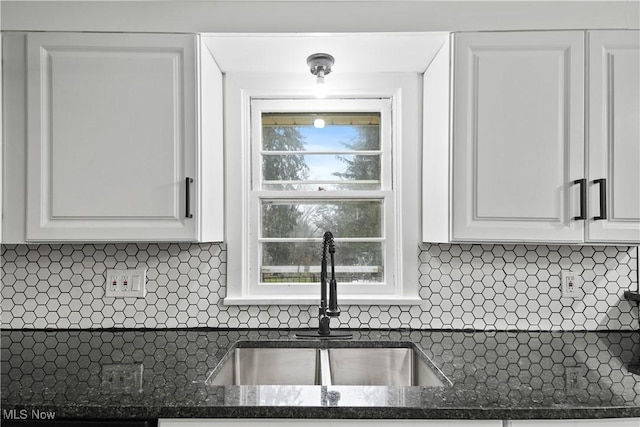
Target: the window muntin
pixel 308 180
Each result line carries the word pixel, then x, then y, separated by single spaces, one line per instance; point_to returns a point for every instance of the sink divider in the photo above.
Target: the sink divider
pixel 236 365
pixel 325 368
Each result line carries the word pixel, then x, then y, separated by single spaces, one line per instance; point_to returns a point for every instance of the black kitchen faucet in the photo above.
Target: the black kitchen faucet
pixel 329 309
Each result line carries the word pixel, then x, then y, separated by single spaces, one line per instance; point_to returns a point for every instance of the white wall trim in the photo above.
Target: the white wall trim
pixel 404 88
pixel 328 16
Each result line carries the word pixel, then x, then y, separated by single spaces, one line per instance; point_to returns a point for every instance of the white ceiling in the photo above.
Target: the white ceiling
pixel 353 52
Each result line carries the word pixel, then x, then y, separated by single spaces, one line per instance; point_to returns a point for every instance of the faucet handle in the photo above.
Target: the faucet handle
pixel 323 326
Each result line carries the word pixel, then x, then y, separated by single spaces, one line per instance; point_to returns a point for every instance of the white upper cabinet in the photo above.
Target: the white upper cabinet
pixel 519 168
pixel 124 138
pixel 517 135
pixel 614 136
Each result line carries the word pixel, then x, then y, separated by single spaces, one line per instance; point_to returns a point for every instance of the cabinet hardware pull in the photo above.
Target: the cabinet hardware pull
pixel 583 198
pixel 602 182
pixel 188 213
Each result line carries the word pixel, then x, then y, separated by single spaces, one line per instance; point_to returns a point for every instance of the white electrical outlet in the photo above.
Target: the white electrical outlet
pixel 126 283
pixel 571 284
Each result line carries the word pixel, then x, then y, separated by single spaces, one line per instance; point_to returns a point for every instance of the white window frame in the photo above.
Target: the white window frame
pixel 386 194
pixel 405 94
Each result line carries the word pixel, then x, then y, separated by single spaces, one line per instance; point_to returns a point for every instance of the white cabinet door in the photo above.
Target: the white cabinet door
pixel 614 136
pixel 518 140
pixel 112 137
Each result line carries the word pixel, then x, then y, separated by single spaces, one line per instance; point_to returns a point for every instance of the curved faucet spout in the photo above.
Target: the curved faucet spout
pixel 328 307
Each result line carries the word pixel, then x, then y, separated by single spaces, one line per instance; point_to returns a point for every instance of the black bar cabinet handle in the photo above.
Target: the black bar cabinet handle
pixel 583 198
pixel 602 182
pixel 188 213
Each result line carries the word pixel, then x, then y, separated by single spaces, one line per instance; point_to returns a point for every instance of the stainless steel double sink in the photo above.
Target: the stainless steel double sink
pixel 401 364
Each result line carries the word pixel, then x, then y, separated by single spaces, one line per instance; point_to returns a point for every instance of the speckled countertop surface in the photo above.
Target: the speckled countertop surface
pixel 495 375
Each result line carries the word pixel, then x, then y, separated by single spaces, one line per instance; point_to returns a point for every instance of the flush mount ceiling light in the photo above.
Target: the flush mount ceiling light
pixel 320 65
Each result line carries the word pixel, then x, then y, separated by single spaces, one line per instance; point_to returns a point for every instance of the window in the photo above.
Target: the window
pixel 309 178
pixel 287 182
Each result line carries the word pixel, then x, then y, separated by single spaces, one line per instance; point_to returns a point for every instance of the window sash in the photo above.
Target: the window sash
pixel 260 106
pixel 387 286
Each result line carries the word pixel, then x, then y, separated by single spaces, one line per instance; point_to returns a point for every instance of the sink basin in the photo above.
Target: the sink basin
pixel 380 366
pixel 386 366
pixel 269 366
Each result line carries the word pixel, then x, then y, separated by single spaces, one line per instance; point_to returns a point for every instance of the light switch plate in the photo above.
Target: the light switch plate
pixel 126 283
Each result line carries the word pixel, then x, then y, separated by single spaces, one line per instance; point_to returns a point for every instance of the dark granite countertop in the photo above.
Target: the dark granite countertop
pixel 494 375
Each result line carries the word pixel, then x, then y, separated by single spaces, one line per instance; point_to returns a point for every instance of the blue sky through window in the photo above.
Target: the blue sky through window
pixel 329 138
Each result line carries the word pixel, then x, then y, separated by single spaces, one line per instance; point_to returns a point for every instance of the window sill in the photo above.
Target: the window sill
pixel 308 300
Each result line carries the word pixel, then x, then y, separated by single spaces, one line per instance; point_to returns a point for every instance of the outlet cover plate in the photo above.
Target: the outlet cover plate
pixel 575 379
pixel 126 283
pixel 122 378
pixel 571 284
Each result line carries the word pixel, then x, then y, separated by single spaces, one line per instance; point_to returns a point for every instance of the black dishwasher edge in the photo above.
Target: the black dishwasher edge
pixel 78 423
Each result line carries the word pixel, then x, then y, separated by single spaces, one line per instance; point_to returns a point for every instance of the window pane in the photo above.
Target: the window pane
pixel 299 262
pixel 351 218
pixel 321 167
pixel 341 132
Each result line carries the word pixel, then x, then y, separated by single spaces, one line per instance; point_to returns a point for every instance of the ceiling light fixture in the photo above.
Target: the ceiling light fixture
pixel 318 123
pixel 320 65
